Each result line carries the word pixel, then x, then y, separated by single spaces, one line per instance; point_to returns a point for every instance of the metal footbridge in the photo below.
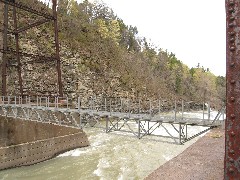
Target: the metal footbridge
pixel 112 115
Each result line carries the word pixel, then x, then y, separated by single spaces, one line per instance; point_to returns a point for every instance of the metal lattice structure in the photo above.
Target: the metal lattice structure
pixel 43 16
pixel 112 116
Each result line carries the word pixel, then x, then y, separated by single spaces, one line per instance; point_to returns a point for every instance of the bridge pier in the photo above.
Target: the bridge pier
pixel 29 142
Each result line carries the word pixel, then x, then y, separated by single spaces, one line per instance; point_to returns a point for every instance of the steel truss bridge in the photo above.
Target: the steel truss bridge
pixel 120 115
pixel 113 119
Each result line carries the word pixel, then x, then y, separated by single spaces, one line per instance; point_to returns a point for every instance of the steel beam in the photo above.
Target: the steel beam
pixel 28 9
pixel 4 59
pixel 54 8
pixel 17 51
pixel 22 29
pixel 38 23
pixel 38 58
pixel 232 124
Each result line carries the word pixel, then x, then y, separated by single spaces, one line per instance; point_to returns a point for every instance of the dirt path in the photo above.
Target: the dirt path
pixel 204 160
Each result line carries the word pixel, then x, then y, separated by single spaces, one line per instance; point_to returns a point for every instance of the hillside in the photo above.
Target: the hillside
pixel 103 56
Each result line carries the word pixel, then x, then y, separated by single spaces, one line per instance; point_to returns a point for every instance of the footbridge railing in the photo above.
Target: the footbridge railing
pixel 141 118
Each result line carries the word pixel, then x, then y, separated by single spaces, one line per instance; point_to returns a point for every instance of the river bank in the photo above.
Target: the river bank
pixel 202 160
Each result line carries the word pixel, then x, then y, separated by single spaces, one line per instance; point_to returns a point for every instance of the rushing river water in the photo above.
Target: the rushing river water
pixel 110 156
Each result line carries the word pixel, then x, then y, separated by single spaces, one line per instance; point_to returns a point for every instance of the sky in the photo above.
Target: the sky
pixel 194 30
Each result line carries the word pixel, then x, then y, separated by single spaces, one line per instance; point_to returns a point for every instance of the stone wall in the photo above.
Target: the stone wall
pixel 28 142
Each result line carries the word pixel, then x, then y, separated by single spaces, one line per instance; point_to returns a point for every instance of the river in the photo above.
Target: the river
pixel 111 156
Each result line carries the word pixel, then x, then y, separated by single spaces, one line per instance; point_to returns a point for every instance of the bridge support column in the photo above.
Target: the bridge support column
pixel 232 124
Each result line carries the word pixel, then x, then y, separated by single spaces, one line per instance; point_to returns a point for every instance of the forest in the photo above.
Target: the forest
pixel 108 44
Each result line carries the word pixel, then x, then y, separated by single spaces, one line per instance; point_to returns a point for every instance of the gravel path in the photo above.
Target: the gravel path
pixel 204 160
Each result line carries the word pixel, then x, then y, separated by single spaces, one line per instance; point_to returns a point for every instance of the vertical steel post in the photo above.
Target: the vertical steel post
pixel 105 102
pixel 129 111
pixel 208 111
pixel 121 104
pixel 17 51
pixel 4 57
pixel 182 109
pixel 57 102
pixel 175 111
pixel 107 119
pixel 67 102
pixel 150 109
pixel 186 131
pixel 232 123
pixel 48 100
pixel 148 127
pixel 139 129
pixel 79 109
pixel 78 104
pixel 110 107
pixel 139 106
pixel 159 106
pixel 203 110
pixel 37 101
pixel 54 8
pixel 180 133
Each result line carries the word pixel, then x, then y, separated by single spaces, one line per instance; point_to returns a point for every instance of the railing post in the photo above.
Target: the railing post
pixel 139 129
pixel 57 102
pixel 148 132
pixel 37 101
pixel 40 103
pixel 110 106
pixel 182 109
pixel 159 107
pixel 186 136
pixel 79 104
pixel 48 101
pixel 208 111
pixel 180 133
pixel 79 108
pixel 139 106
pixel 203 109
pixel 105 104
pixel 67 102
pixel 29 100
pixel 150 104
pixel 129 108
pixel 175 111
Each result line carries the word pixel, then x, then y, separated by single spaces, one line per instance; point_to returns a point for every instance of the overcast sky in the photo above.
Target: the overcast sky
pixel 192 29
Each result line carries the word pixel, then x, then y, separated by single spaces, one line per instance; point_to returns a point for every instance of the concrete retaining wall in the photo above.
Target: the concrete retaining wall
pixel 35 147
